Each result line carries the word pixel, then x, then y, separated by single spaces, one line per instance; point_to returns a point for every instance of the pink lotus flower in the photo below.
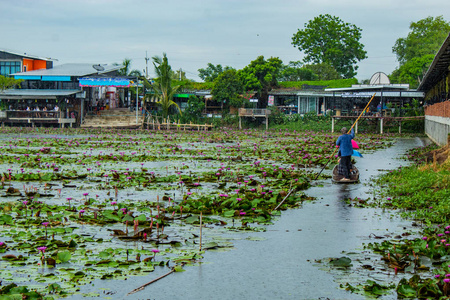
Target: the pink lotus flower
pixel 42 249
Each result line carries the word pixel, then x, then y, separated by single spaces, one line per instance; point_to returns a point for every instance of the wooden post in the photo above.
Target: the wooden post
pixel 356 127
pixel 400 126
pixel 381 125
pixel 267 122
pixel 201 221
pixel 240 123
pixel 332 124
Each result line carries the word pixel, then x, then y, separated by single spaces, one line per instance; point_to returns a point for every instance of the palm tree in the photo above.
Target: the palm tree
pixel 126 67
pixel 163 88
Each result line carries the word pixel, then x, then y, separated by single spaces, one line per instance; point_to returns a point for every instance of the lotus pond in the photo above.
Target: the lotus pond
pixel 79 206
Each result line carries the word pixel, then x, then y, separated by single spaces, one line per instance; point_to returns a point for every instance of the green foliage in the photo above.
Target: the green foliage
pixel 193 111
pixel 295 71
pixel 261 75
pixel 309 121
pixel 340 83
pixel 425 38
pixel 163 87
pixel 126 67
pixel 179 75
pixel 200 85
pixel 412 71
pixel 324 71
pixel 211 72
pixel 424 192
pixel 227 87
pixel 327 39
pixel 8 82
pixel 276 117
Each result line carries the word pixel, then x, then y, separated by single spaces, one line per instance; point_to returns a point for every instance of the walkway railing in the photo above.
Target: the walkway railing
pixel 253 112
pixel 35 117
pixel 160 123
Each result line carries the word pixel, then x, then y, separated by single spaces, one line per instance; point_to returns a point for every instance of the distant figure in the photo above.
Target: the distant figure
pixel 56 108
pixel 28 108
pixel 45 108
pixel 346 149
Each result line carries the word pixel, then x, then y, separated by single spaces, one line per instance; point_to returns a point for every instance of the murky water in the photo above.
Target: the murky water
pixel 281 265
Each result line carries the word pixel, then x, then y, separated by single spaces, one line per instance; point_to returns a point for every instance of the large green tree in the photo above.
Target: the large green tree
pixel 262 76
pixel 227 88
pixel 328 39
pixel 324 71
pixel 211 72
pixel 296 71
pixel 412 71
pixel 416 52
pixel 426 37
pixel 163 87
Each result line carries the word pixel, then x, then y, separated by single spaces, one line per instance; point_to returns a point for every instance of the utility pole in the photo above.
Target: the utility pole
pixel 146 65
pixel 180 74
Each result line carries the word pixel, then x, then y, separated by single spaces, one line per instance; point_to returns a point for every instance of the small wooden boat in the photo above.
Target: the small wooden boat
pixel 354 176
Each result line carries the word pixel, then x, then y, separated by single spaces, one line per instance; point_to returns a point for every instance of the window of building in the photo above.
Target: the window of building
pixel 9 67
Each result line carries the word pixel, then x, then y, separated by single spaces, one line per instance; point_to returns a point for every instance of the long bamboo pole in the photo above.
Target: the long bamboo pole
pixel 148 283
pixel 347 133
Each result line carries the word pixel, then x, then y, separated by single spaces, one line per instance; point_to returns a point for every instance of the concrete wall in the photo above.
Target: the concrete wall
pixel 437 129
pixel 437 122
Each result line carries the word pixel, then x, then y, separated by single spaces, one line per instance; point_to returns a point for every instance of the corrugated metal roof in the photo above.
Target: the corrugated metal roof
pixel 438 69
pixel 76 70
pixel 27 55
pixel 355 88
pixel 36 94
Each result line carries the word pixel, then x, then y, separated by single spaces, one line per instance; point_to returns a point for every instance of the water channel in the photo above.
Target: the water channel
pixel 281 263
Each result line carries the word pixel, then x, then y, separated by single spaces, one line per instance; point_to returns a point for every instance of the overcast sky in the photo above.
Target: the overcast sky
pixel 197 32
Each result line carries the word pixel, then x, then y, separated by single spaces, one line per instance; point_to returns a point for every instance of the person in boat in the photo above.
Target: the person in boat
pixel 346 149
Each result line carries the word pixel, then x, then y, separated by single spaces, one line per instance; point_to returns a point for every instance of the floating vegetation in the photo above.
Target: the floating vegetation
pixel 84 205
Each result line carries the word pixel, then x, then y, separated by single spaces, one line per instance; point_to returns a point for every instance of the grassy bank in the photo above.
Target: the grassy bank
pixel 420 192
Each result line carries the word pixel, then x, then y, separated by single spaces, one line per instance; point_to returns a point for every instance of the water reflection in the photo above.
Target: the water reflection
pixel 283 265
